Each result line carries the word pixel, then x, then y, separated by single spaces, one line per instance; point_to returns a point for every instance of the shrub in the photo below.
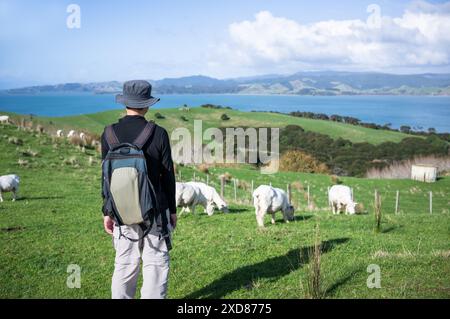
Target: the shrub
pixel 355 159
pixel 203 168
pixel 227 177
pixel 360 209
pixel 298 161
pixel 224 117
pixel 244 185
pixel 213 106
pixel 298 186
pixel 314 277
pixel 159 116
pixel 335 180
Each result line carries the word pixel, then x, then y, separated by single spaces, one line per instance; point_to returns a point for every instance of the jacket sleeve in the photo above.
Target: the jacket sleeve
pixel 105 146
pixel 167 172
pixel 105 149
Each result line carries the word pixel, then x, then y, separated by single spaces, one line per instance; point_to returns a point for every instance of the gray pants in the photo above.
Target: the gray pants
pixel 155 265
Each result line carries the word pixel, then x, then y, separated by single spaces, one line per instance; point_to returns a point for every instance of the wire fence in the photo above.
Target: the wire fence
pixel 311 196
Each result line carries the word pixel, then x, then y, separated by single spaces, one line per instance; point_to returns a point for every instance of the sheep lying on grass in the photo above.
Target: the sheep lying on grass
pixel 9 183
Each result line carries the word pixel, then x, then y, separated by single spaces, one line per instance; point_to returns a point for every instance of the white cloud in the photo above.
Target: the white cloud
pixel 418 39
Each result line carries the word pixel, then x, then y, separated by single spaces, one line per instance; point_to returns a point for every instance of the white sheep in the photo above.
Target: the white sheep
pixel 82 136
pixel 9 183
pixel 339 197
pixel 59 133
pixel 268 199
pixel 191 194
pixel 71 134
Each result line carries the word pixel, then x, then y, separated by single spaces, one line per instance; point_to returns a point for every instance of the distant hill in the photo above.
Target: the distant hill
pixel 301 83
pixel 96 122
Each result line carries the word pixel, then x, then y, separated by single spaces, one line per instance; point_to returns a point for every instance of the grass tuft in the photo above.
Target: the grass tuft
pixel 314 282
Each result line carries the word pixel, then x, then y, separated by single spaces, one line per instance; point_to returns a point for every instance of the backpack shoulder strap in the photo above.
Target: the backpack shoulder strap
pixel 144 135
pixel 111 137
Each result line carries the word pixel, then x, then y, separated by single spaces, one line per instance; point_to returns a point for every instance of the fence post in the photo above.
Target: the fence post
pixel 194 177
pixel 397 198
pixel 377 209
pixel 270 183
pixel 222 186
pixel 251 192
pixel 431 202
pixel 288 191
pixel 235 191
pixel 180 176
pixel 207 179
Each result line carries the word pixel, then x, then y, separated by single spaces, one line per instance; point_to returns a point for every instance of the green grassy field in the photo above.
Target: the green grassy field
pixel 96 122
pixel 57 222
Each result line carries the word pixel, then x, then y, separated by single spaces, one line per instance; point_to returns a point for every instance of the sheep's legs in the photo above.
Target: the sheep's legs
pixel 273 219
pixel 1 198
pixel 14 195
pixel 260 219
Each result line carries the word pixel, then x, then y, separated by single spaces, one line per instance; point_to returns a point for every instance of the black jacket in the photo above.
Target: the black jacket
pixel 158 156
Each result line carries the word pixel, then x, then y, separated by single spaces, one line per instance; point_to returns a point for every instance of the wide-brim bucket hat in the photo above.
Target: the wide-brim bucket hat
pixel 137 94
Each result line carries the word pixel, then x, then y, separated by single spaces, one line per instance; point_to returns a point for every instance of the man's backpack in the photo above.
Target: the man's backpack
pixel 129 196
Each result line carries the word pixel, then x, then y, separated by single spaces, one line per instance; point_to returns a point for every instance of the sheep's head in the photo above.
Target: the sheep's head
pixel 289 213
pixel 210 209
pixel 351 208
pixel 224 208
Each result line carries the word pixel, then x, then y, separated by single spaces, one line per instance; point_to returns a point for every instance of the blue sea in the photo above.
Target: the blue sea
pixel 419 112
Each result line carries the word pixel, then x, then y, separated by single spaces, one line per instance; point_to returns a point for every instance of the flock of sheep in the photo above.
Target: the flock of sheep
pixel 266 199
pixel 10 183
pixel 72 133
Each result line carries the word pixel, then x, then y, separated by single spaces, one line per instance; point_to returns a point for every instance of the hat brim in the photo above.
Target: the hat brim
pixel 136 104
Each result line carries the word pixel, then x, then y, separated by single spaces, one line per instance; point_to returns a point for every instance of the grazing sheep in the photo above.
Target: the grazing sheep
pixel 191 194
pixel 268 199
pixel 71 134
pixel 4 119
pixel 83 136
pixel 185 195
pixel 9 183
pixel 59 133
pixel 339 197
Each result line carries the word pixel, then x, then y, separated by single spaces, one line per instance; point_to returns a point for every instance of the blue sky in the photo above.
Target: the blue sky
pixel 119 40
